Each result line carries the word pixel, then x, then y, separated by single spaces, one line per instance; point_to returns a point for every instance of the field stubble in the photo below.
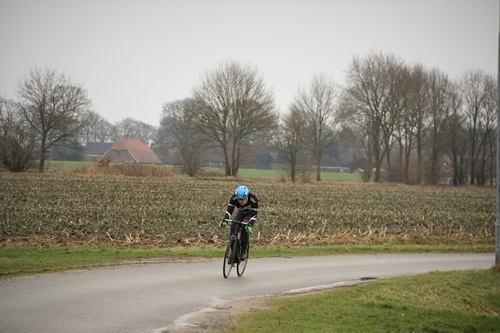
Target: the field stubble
pixel 66 210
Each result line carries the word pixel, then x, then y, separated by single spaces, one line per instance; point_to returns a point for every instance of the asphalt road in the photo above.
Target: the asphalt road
pixel 151 297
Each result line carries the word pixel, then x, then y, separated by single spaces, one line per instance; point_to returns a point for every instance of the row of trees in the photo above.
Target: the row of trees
pixel 407 123
pixel 421 118
pixel 101 130
pixel 410 124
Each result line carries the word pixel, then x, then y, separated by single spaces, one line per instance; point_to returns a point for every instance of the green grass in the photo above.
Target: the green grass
pixel 34 260
pixel 248 174
pixel 465 301
pixel 19 261
pixel 72 166
pixel 63 166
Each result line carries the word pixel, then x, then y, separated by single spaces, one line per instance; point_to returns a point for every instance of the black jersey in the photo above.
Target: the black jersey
pixel 250 208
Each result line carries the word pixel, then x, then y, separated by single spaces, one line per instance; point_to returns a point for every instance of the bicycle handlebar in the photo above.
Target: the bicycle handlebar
pixel 231 221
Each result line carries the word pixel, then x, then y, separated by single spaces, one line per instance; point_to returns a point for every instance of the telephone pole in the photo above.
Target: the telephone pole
pixel 497 223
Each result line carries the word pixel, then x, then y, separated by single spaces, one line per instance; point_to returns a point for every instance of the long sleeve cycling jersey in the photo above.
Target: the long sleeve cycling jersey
pixel 249 209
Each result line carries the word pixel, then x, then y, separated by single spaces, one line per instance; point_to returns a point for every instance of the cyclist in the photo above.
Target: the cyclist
pixel 248 206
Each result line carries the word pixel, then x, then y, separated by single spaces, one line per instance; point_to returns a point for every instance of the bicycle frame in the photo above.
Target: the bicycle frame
pixel 232 254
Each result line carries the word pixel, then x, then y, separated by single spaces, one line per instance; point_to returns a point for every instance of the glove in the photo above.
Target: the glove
pixel 248 229
pixel 222 224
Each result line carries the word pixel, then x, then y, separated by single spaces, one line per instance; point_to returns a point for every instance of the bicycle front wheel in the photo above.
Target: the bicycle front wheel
pixel 228 260
pixel 240 269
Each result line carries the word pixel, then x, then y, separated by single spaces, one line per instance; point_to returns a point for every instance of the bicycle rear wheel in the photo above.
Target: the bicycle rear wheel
pixel 242 265
pixel 228 255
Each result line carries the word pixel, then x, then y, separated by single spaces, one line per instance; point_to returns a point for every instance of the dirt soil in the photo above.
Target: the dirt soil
pixel 218 318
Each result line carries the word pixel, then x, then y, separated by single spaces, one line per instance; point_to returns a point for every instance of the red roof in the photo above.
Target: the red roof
pixel 138 150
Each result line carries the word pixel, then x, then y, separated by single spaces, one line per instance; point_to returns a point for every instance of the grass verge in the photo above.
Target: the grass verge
pixel 23 261
pixel 460 301
pixel 19 261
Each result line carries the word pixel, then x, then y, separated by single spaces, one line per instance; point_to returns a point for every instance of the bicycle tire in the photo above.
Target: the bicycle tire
pixel 226 267
pixel 242 265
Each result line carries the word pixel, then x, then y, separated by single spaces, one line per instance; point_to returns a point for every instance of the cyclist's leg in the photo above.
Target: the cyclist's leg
pixel 233 227
pixel 245 239
pixel 244 243
pixel 240 216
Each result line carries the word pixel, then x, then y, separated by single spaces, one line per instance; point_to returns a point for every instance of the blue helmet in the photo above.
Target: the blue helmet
pixel 241 192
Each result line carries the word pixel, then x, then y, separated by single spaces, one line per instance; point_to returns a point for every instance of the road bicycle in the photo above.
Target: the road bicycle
pixel 232 255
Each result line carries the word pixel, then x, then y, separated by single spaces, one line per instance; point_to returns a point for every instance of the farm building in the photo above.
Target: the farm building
pixel 131 151
pixel 95 151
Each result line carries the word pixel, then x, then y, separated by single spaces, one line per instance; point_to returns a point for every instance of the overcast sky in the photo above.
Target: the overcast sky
pixel 133 56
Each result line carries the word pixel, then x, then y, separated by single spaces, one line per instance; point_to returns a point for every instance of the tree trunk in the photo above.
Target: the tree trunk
pixel 435 169
pixel 41 164
pixel 462 177
pixel 43 157
pixel 473 158
pixel 378 163
pixel 406 176
pixel 235 162
pixel 318 167
pixel 419 160
pixel 293 169
pixel 227 166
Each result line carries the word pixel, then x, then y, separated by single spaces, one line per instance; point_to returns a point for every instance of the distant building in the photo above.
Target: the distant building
pixel 131 151
pixel 95 151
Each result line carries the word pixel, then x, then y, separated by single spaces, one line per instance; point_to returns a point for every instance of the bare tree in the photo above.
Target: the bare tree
pixel 395 104
pixel 442 102
pixel 489 157
pixel 318 105
pixel 417 100
pixel 98 129
pixel 475 88
pixel 456 138
pixel 131 129
pixel 373 99
pixel 16 142
pixel 165 138
pixel 409 122
pixel 232 104
pixel 54 107
pixel 485 167
pixel 177 132
pixel 291 139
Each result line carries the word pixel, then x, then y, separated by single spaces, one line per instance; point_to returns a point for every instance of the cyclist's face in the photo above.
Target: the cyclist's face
pixel 242 202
